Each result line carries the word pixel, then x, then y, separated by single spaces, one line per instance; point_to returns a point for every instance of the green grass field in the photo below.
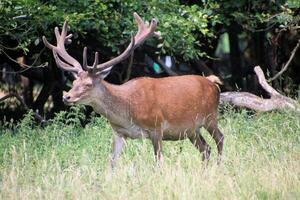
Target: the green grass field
pixel 64 161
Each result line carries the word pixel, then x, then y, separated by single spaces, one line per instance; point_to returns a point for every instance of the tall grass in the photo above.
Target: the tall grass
pixel 64 161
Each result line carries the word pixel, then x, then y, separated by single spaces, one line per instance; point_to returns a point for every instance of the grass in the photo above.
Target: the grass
pixel 64 161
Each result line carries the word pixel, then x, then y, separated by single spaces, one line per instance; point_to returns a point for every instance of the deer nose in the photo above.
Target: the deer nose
pixel 66 98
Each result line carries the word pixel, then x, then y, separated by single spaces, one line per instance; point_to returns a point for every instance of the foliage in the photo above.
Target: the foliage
pixel 256 15
pixel 183 27
pixel 187 29
pixel 108 22
pixel 261 161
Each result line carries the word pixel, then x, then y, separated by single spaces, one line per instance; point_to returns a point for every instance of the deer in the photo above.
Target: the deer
pixel 169 108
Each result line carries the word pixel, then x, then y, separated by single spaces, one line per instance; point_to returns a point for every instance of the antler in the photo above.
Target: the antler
pixel 84 60
pixel 70 64
pixel 143 33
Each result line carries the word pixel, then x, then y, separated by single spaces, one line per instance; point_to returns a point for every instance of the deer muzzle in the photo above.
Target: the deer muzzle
pixel 66 98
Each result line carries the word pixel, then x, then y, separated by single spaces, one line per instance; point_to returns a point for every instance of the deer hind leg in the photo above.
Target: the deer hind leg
pixel 200 144
pixel 212 128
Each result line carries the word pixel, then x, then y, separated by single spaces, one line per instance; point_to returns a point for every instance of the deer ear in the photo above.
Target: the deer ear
pixel 102 74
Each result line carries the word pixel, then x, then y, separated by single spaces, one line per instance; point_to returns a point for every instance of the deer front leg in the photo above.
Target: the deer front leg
pixel 156 139
pixel 117 146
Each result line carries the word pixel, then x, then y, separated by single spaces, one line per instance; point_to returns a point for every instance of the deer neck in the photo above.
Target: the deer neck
pixel 110 101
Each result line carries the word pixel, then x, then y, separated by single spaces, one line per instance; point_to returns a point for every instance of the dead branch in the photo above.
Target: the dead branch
pixel 202 66
pixel 287 64
pixel 276 101
pixel 23 65
pixel 21 100
pixel 166 69
pixel 262 81
pixel 129 68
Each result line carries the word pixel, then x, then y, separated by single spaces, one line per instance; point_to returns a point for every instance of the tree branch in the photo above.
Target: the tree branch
pixel 129 68
pixel 262 81
pixel 287 64
pixel 202 66
pixel 167 69
pixel 26 67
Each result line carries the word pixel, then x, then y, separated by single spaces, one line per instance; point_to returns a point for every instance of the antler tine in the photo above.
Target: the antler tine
pixel 85 65
pixel 96 61
pixel 140 22
pixel 68 39
pixel 57 34
pixel 116 60
pixel 93 68
pixel 63 32
pixel 47 44
pixel 84 59
pixel 62 64
pixel 144 31
pixel 59 50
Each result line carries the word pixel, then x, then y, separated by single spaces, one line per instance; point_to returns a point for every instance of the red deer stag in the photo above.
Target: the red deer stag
pixel 171 108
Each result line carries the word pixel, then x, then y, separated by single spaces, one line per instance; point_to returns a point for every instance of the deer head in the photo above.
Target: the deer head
pixel 89 77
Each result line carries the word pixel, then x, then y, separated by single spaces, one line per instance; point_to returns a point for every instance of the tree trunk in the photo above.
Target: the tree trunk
pixel 235 56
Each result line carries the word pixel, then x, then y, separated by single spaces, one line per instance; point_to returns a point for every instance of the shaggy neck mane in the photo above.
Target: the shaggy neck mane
pixel 109 100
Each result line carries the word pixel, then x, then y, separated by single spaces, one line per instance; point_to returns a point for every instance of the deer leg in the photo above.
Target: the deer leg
pixel 117 147
pixel 200 144
pixel 157 146
pixel 217 135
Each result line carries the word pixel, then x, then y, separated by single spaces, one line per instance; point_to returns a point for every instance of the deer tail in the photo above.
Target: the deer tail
pixel 215 79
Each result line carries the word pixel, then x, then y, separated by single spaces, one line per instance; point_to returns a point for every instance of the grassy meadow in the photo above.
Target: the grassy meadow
pixel 65 161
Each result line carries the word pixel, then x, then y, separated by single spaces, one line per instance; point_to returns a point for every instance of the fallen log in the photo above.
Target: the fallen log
pixel 248 100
